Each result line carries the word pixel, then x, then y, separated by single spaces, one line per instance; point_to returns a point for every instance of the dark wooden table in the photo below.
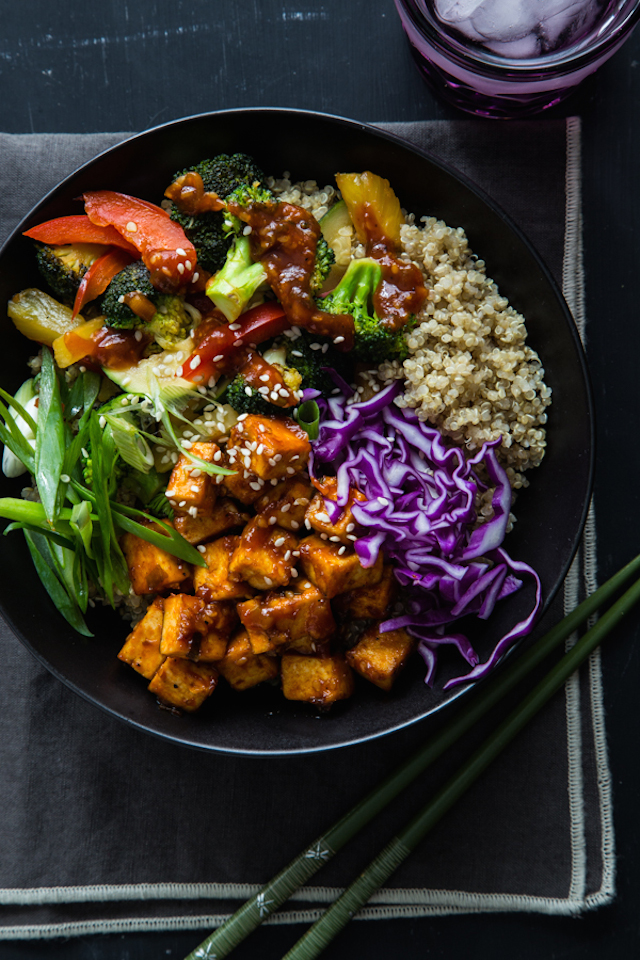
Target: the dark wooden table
pixel 126 66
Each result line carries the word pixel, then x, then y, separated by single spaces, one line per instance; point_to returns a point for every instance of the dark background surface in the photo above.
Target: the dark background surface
pixel 120 66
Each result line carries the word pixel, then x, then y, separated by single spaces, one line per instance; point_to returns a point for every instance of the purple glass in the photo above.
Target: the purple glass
pixel 480 57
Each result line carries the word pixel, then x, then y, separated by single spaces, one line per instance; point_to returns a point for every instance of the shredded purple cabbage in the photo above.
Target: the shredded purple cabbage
pixel 420 511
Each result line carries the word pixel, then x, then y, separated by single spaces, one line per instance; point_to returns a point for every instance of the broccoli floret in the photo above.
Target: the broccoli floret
pixel 171 323
pixel 209 231
pixel 312 364
pixel 135 278
pixel 374 342
pixel 234 285
pixel 245 399
pixel 325 258
pixel 63 267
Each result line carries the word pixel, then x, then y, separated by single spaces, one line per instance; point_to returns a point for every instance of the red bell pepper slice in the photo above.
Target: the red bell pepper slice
pixel 78 229
pixel 99 276
pixel 214 353
pixel 166 252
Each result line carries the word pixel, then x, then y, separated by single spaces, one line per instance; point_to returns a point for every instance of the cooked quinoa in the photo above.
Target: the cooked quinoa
pixel 470 371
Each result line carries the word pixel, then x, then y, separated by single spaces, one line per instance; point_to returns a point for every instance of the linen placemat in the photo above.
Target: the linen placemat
pixel 107 829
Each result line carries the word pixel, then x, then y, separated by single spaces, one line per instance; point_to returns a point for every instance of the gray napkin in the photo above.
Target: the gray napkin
pixel 106 829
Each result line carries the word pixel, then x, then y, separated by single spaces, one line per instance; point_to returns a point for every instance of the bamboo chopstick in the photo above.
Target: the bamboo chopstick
pixel 380 869
pixel 222 941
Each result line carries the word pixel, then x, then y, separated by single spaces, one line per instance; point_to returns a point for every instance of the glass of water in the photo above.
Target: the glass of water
pixel 513 58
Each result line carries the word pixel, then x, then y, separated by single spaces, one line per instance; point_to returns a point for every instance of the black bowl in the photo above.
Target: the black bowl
pixel 551 512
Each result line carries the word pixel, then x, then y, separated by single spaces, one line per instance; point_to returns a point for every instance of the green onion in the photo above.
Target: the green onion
pixel 50 436
pixel 274 893
pixel 131 444
pixel 39 549
pixel 308 416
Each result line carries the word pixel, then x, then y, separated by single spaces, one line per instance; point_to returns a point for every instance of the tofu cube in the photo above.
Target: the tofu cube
pixel 286 503
pixel 299 618
pixel 243 485
pixel 264 556
pixel 242 669
pixel 189 486
pixel 369 603
pixel 345 529
pixel 318 680
pixel 334 572
pixel 217 623
pixel 380 656
pixel 275 448
pixel 184 684
pixel 182 614
pixel 142 647
pixel 151 569
pixel 213 581
pixel 213 518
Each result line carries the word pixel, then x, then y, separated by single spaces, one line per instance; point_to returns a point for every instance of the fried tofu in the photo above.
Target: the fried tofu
pixel 213 581
pixel 275 448
pixel 217 623
pixel 243 485
pixel 264 556
pixel 182 614
pixel 369 603
pixel 142 647
pixel 333 571
pixel 151 569
pixel 380 656
pixel 242 668
pixel 285 503
pixel 213 518
pixel 318 680
pixel 189 486
pixel 300 618
pixel 344 529
pixel 184 684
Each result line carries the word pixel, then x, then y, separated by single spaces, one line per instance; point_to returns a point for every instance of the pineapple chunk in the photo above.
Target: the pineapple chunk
pixel 373 206
pixel 39 317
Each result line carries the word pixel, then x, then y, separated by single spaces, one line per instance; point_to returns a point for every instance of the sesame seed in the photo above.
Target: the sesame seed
pixel 307 524
pixel 248 391
pixel 196 277
pixel 272 521
pixel 350 536
pixel 268 581
pixel 188 264
pixel 121 298
pixel 335 539
pixel 279 542
pixel 255 485
pixel 316 346
pixel 338 340
pixel 202 548
pixel 291 471
pixel 350 527
pixel 181 268
pixel 294 572
pixel 243 416
pixel 296 353
pixel 323 518
pixel 182 503
pixel 294 524
pixel 285 508
pixel 181 252
pixel 131 227
pixel 324 536
pixel 325 347
pixel 64 477
pixel 341 551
